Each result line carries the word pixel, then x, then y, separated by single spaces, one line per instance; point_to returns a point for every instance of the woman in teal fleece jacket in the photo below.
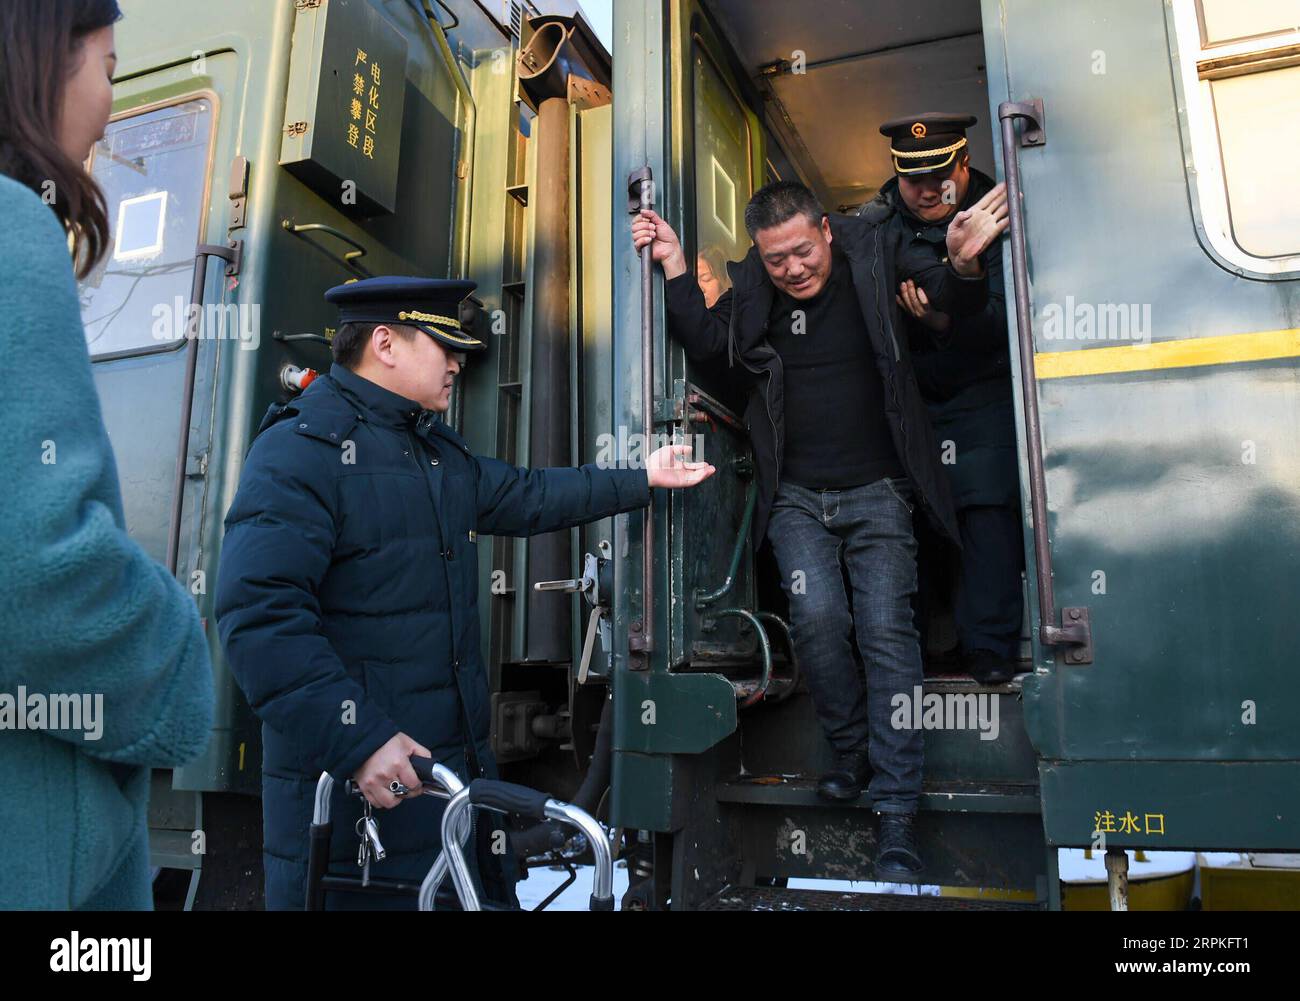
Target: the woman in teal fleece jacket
pixel 83 611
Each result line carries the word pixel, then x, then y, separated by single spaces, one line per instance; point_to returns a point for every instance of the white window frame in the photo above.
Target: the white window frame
pixel 729 224
pixel 1195 62
pixel 152 249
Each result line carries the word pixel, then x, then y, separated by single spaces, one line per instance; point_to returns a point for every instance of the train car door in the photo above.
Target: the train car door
pixel 168 147
pixel 678 108
pixel 1157 298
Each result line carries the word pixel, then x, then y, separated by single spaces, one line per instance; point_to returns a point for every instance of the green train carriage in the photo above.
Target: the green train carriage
pixel 1160 474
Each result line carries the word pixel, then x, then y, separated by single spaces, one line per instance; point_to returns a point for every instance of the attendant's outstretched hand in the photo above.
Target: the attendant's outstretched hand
pixel 671 467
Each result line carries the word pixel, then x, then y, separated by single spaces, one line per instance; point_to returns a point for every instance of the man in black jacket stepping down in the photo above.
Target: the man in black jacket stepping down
pixel 843 452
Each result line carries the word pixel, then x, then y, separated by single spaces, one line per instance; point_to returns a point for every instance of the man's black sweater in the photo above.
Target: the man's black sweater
pixel 736 329
pixel 836 434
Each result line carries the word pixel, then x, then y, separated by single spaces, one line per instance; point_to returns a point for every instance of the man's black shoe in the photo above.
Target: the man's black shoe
pixel 988 668
pixel 897 859
pixel 845 781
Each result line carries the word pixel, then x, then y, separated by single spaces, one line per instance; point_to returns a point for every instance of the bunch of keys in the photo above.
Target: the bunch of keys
pixel 368 832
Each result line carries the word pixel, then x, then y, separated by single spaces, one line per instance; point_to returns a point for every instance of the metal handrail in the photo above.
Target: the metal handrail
pixel 705 598
pixel 789 645
pixel 349 259
pixel 765 648
pixel 202 253
pixel 641 195
pixel 1075 632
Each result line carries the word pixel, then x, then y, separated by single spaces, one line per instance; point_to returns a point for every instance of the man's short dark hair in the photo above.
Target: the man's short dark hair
pixel 780 202
pixel 350 340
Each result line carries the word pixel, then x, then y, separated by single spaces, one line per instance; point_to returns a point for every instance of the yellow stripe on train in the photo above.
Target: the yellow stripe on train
pixel 1188 353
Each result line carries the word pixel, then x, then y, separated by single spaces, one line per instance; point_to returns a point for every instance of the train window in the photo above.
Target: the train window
pixel 153 165
pixel 1239 79
pixel 1225 21
pixel 723 150
pixel 1249 111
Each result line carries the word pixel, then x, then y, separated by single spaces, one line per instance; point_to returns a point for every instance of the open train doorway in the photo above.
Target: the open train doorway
pixel 826 84
pixel 739 95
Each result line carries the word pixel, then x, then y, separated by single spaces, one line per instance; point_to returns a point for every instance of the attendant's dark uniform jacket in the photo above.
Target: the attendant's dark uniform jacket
pixel 736 327
pixel 347 604
pixel 964 374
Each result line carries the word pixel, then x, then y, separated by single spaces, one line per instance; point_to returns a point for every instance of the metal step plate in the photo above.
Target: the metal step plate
pixel 770 898
pixel 964 797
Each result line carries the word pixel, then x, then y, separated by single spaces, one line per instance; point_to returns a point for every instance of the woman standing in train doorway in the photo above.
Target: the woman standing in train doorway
pixel 104 667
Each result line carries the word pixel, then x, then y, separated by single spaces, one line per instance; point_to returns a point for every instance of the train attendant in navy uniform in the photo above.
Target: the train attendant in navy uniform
pixel 349 575
pixel 963 369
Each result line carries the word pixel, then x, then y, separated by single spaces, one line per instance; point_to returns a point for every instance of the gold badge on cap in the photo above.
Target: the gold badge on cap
pixel 919 130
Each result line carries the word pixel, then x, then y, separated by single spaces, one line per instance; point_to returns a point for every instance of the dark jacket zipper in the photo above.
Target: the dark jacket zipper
pixel 893 383
pixel 472 763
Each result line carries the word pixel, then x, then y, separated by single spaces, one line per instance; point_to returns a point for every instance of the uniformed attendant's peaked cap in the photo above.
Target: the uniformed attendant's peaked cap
pixel 928 142
pixel 428 304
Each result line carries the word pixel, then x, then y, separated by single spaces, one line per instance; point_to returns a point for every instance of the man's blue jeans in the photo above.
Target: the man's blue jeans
pixel 868 531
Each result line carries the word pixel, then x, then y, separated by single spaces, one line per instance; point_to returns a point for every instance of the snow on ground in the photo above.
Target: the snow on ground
pixel 1076 868
pixel 542 881
pixel 1073 865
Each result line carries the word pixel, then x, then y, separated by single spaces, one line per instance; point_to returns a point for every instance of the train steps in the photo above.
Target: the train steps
pixel 980 788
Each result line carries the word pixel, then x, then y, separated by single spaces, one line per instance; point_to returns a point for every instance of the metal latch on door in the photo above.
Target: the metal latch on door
pixel 591 586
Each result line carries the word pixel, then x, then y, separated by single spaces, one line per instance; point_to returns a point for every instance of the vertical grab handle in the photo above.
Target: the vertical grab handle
pixel 641 195
pixel 204 251
pixel 1075 631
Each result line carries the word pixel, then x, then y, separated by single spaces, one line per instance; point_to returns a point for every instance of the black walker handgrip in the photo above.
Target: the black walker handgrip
pixel 508 797
pixel 539 839
pixel 423 768
pixel 318 860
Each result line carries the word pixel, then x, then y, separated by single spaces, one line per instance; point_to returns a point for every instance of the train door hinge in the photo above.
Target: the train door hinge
pixel 238 193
